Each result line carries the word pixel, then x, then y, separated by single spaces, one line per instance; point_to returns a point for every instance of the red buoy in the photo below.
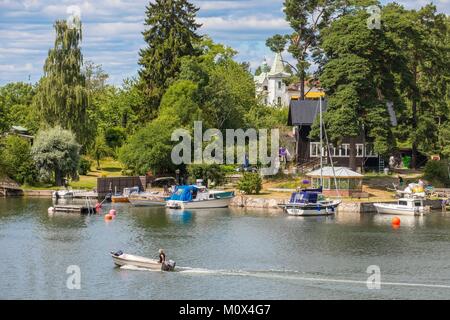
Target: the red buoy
pixel 112 212
pixel 396 221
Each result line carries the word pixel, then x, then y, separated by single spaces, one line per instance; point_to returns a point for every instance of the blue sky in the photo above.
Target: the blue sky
pixel 112 31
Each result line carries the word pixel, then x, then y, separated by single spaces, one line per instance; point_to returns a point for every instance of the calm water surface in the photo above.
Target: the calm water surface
pixel 225 254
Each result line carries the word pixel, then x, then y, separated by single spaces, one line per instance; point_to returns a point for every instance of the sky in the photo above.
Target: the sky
pixel 112 31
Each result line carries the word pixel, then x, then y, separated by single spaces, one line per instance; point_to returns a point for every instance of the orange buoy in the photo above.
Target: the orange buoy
pixel 396 221
pixel 109 217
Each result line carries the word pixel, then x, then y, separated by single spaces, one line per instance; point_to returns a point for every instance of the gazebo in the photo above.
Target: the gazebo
pixel 348 181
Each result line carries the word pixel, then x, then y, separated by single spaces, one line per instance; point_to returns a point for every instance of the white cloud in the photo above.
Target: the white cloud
pixel 112 31
pixel 243 23
pixel 16 68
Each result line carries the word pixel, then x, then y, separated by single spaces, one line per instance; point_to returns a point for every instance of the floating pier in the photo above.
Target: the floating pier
pixel 81 209
pixel 81 194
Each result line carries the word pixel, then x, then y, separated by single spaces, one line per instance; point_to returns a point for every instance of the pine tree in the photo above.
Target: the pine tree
pixel 422 36
pixel 171 35
pixel 62 97
pixel 359 75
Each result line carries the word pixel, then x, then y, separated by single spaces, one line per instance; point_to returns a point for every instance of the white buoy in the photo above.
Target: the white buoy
pixel 51 210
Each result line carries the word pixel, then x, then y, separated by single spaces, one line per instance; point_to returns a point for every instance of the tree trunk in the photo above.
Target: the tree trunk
pixel 302 85
pixel 414 129
pixel 58 178
pixel 414 123
pixel 352 161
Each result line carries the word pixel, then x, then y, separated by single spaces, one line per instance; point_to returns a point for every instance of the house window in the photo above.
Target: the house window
pixel 369 150
pixel 332 150
pixel 279 85
pixel 265 88
pixel 344 150
pixel 279 100
pixel 360 150
pixel 314 150
pixel 266 102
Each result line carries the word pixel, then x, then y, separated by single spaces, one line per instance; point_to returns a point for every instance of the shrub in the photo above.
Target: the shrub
pixel 437 172
pixel 84 166
pixel 127 172
pixel 17 161
pixel 56 153
pixel 212 172
pixel 251 183
pixel 229 168
pixel 115 137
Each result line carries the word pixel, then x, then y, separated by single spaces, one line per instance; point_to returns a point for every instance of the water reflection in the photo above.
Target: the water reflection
pixel 406 221
pixel 180 216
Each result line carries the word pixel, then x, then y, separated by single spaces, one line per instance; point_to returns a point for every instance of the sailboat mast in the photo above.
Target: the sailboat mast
pixel 321 142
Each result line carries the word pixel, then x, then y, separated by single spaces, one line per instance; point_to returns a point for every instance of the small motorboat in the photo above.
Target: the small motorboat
pixel 199 197
pixel 308 202
pixel 405 206
pixel 122 259
pixel 123 197
pixel 148 199
pixel 63 194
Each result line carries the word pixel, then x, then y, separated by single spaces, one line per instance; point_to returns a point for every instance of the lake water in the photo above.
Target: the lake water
pixel 224 254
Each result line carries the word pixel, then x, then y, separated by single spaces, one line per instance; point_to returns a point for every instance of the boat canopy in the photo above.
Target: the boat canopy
pixel 184 193
pixel 306 196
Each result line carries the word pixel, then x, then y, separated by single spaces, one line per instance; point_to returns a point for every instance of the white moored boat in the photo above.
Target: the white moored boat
pixel 308 203
pixel 63 194
pixel 404 206
pixel 199 197
pixel 148 199
pixel 311 202
pixel 122 259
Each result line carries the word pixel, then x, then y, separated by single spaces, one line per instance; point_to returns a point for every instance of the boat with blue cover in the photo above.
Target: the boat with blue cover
pixel 199 197
pixel 310 202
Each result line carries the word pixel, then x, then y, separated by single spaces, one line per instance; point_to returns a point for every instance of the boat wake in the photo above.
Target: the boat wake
pixel 290 275
pixel 134 268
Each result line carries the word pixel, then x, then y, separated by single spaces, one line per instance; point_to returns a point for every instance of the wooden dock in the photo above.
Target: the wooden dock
pixel 81 209
pixel 81 194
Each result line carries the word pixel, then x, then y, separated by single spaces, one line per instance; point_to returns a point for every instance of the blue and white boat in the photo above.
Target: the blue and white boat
pixel 310 202
pixel 199 197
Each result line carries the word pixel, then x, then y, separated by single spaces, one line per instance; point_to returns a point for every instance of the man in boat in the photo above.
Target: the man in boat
pixel 162 256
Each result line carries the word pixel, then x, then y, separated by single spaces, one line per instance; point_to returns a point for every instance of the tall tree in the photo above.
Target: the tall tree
pixel 307 18
pixel 422 36
pixel 277 43
pixel 16 106
pixel 170 35
pixel 95 76
pixel 62 97
pixel 359 76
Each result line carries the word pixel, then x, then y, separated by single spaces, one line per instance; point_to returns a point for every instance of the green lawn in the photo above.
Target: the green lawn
pixel 108 168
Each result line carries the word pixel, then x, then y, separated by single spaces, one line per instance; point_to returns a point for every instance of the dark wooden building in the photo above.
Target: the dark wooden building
pixel 302 114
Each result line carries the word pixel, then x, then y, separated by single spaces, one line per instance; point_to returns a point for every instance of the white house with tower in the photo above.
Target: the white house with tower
pixel 270 87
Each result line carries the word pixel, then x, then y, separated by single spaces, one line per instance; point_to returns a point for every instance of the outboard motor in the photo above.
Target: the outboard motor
pixel 168 265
